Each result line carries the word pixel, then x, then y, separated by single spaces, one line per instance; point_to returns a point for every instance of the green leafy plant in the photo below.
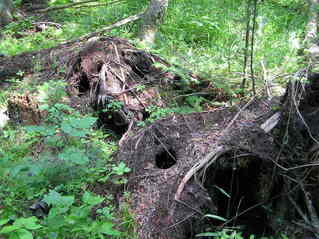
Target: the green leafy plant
pixel 118 171
pixel 21 228
pixel 195 102
pixel 114 105
pixel 224 234
pixel 65 218
pixel 51 92
pixel 227 233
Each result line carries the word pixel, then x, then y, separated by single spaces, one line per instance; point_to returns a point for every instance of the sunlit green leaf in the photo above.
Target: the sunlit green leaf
pixel 107 228
pixel 24 234
pixel 8 229
pixel 28 223
pixel 74 155
pixel 208 234
pixel 91 199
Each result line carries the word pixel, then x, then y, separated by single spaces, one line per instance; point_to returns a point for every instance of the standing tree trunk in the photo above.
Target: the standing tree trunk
pixel 151 19
pixel 312 26
pixel 6 11
pixel 311 37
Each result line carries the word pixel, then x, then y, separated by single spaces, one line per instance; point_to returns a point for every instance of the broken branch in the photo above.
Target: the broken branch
pixel 55 8
pixel 213 156
pixel 108 28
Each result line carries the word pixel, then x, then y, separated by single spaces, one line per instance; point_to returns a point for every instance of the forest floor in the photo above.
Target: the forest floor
pixel 151 139
pixel 202 170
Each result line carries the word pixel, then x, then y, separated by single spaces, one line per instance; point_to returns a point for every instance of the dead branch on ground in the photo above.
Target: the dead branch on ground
pixel 55 8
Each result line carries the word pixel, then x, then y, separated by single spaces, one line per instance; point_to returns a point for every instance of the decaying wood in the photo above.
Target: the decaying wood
pixel 203 146
pixel 210 158
pixel 55 8
pixel 181 164
pixel 25 62
pixel 196 150
pixel 151 20
pixel 271 122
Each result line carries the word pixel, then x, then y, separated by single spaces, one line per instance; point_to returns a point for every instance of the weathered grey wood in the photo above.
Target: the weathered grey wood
pixel 6 11
pixel 271 122
pixel 151 19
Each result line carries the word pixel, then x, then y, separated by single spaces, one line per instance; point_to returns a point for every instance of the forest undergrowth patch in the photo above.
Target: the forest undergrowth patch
pixel 50 170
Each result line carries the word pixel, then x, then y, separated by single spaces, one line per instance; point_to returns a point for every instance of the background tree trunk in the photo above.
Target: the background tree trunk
pixel 312 26
pixel 6 11
pixel 311 38
pixel 151 19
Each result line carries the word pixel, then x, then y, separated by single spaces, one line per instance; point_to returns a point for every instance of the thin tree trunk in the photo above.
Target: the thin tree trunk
pixel 6 11
pixel 151 20
pixel 312 26
pixel 247 36
pixel 312 54
pixel 252 47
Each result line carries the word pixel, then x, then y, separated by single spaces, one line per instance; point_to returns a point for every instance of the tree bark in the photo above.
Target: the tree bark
pixel 311 34
pixel 6 11
pixel 151 19
pixel 312 26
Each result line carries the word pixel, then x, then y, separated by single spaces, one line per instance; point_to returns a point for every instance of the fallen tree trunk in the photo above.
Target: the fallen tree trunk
pixel 251 165
pixel 181 166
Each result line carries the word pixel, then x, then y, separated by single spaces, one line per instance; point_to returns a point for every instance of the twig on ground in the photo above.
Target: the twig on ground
pixel 179 222
pixel 190 207
pixel 48 23
pixel 108 28
pixel 126 135
pixel 55 8
pixel 97 5
pixel 164 146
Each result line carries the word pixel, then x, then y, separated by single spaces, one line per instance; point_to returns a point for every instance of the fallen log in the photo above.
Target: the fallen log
pixel 246 165
pixel 175 162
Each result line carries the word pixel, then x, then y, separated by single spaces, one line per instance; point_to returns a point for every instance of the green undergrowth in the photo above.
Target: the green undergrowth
pixel 22 36
pixel 233 234
pixel 61 160
pixel 205 36
pixel 208 37
pixel 59 163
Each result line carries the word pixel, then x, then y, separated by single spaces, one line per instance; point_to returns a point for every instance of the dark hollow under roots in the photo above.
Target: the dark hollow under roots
pixel 235 187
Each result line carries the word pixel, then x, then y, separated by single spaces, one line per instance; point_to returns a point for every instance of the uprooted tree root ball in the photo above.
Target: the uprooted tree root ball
pixel 114 78
pixel 112 70
pixel 223 163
